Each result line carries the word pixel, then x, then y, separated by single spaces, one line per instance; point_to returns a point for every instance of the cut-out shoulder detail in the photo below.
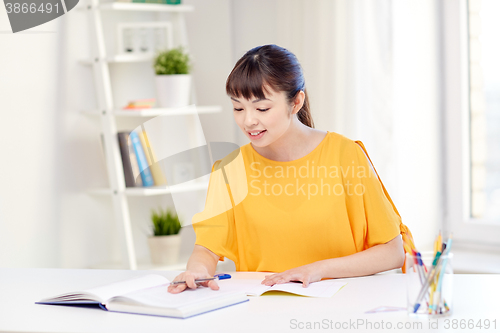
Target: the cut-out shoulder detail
pixel 369 160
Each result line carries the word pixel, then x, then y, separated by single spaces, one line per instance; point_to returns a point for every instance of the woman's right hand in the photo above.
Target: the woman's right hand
pixel 189 276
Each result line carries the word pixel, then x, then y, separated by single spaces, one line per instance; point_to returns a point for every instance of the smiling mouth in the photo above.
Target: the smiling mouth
pixel 257 133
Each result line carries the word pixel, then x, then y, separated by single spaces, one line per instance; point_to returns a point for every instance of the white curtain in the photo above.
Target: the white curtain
pixel 372 74
pixel 345 48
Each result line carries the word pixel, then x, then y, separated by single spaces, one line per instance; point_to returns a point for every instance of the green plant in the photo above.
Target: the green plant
pixel 165 223
pixel 173 61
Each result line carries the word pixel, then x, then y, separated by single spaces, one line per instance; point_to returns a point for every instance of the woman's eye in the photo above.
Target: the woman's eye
pixel 262 110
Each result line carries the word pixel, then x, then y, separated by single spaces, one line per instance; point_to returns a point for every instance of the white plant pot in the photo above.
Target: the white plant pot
pixel 173 90
pixel 164 249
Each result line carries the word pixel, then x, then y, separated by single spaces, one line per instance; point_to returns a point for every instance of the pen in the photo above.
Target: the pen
pixel 432 274
pixel 433 285
pixel 440 242
pixel 216 277
pixel 443 270
pixel 420 261
pixel 418 264
pixel 420 270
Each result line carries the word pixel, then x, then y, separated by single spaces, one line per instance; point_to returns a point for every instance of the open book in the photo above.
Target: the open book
pixel 148 295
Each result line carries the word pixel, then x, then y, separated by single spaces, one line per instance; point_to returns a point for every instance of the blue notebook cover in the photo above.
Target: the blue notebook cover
pixel 97 305
pixel 146 176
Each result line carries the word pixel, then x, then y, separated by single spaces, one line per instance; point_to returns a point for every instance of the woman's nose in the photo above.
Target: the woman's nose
pixel 250 119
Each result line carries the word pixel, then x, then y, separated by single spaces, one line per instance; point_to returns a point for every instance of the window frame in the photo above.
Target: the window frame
pixel 474 233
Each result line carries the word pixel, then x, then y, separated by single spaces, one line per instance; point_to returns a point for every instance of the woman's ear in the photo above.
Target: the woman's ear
pixel 298 101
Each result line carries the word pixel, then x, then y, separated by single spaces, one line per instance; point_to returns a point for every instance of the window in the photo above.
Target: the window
pixel 484 92
pixel 471 122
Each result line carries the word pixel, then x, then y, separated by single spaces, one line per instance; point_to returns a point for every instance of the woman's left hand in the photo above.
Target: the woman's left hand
pixel 305 274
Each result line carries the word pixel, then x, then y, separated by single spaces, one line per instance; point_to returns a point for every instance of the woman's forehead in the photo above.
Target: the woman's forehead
pixel 269 94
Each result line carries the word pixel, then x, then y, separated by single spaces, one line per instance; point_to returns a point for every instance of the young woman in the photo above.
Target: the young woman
pixel 299 202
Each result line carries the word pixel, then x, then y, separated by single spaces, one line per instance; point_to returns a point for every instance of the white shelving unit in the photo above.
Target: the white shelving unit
pixel 145 7
pixel 154 112
pixel 154 190
pixel 108 112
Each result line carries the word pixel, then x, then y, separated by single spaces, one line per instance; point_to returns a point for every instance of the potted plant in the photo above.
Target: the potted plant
pixel 164 244
pixel 173 81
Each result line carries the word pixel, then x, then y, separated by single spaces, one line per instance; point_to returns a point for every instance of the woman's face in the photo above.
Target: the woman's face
pixel 270 116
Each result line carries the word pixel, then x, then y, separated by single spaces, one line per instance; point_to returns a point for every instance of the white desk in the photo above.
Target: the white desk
pixel 476 297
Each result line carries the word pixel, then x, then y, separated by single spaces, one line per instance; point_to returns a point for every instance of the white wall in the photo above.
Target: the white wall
pixel 253 24
pixel 29 228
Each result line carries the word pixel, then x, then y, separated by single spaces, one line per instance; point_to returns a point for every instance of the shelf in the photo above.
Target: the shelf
pixel 154 112
pixel 155 190
pixel 141 7
pixel 100 62
pixel 123 58
pixel 146 7
pixel 175 267
pixel 181 266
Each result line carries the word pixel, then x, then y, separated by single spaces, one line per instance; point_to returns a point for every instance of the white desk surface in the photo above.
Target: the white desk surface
pixel 476 297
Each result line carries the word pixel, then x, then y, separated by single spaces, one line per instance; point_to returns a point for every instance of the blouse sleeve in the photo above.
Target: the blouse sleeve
pixel 214 226
pixel 373 217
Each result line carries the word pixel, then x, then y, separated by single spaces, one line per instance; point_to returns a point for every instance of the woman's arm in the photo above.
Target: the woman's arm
pixel 376 259
pixel 201 264
pixel 202 259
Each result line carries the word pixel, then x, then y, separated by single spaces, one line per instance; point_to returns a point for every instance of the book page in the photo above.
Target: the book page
pixel 251 287
pixel 160 297
pixel 324 288
pixel 123 287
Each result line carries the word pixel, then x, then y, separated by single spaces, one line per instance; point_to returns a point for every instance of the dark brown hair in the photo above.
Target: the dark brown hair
pixel 270 65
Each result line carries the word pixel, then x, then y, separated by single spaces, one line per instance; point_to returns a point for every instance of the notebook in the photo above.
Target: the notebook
pixel 148 295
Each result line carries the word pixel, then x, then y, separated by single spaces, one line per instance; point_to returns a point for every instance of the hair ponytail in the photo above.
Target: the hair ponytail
pixel 304 113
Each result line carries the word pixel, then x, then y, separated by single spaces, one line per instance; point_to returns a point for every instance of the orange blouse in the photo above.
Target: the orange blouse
pixel 268 215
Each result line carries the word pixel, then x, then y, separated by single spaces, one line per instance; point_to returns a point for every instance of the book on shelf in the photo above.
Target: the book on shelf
pixel 145 172
pixel 129 161
pixel 158 176
pixel 140 104
pixel 148 295
pixel 134 171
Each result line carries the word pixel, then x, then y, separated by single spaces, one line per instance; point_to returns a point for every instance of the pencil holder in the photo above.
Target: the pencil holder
pixel 429 284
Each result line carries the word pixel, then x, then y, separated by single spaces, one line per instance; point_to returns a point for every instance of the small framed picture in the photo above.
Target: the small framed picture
pixel 144 37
